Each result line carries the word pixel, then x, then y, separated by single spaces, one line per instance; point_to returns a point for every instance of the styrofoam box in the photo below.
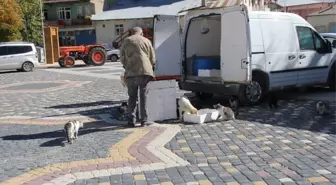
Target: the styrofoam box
pixel 209 73
pixel 162 84
pixel 203 116
pixel 161 100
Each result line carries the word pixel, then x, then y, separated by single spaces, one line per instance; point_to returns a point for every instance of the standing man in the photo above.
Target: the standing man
pixel 138 60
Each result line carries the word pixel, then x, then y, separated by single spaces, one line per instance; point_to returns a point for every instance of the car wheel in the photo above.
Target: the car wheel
pixel 204 96
pixel 253 93
pixel 114 58
pixel 27 67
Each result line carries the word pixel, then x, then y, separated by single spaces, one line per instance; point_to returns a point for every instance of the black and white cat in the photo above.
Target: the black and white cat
pixel 71 130
pixel 273 99
pixel 225 113
pixel 323 108
pixel 122 111
pixel 234 104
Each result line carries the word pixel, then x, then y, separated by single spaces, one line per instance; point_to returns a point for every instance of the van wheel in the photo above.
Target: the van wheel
pixel 204 96
pixel 253 93
pixel 27 67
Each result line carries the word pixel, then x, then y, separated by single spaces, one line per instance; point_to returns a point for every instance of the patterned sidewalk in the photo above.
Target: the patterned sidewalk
pixel 229 153
pixel 142 150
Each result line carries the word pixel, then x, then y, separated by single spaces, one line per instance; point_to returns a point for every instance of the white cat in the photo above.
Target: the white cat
pixel 185 107
pixel 71 130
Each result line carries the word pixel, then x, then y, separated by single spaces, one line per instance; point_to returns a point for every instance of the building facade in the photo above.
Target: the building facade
pixel 304 10
pixel 325 20
pixel 73 18
pixel 109 28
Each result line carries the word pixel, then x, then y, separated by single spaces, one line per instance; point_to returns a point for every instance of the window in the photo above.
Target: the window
pixel 45 14
pixel 309 39
pixel 3 50
pixel 79 12
pixel 64 13
pixel 88 10
pixel 306 39
pixel 319 42
pixel 320 29
pixel 92 32
pixel 119 29
pixel 11 50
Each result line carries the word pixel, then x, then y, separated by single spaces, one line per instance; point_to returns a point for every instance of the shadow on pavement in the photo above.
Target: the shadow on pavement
pixel 59 135
pixel 79 105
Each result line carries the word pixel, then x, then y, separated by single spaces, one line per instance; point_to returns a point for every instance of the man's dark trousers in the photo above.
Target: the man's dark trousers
pixel 135 83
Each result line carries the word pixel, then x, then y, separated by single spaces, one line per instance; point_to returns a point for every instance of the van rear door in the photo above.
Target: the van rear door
pixel 167 44
pixel 235 45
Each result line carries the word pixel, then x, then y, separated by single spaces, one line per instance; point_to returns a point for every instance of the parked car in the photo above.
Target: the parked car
pixel 21 56
pixel 256 53
pixel 112 53
pixel 331 37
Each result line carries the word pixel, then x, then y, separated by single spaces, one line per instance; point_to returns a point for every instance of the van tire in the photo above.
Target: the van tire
pixel 27 67
pixel 331 80
pixel 203 96
pixel 258 82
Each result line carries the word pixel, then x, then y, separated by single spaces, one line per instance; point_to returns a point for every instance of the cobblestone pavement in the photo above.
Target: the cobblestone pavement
pixel 289 145
pixel 69 94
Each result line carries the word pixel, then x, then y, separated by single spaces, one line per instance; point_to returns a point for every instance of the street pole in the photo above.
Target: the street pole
pixel 42 21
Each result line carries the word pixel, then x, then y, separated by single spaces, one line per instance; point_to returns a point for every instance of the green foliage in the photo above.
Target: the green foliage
pixel 31 11
pixel 10 21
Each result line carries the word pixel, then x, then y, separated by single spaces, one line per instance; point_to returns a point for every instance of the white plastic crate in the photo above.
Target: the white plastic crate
pixel 203 116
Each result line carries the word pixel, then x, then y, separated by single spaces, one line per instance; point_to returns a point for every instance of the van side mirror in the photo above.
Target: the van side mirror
pixel 333 44
pixel 329 47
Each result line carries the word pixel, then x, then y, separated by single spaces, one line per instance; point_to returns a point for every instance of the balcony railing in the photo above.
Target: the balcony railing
pixel 69 23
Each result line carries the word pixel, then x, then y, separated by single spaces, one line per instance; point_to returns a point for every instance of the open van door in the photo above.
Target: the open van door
pixel 235 45
pixel 167 45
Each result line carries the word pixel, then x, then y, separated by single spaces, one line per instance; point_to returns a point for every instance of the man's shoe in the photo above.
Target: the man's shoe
pixel 130 124
pixel 146 123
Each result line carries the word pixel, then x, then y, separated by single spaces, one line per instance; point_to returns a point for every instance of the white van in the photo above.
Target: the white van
pixel 21 56
pixel 236 52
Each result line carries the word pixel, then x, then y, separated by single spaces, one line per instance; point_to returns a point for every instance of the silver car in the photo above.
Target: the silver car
pixel 21 56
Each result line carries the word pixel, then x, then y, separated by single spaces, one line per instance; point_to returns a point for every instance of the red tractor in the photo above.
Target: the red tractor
pixel 90 54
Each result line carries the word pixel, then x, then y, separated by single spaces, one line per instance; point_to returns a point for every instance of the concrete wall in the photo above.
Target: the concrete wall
pixel 98 6
pixel 323 23
pixel 105 30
